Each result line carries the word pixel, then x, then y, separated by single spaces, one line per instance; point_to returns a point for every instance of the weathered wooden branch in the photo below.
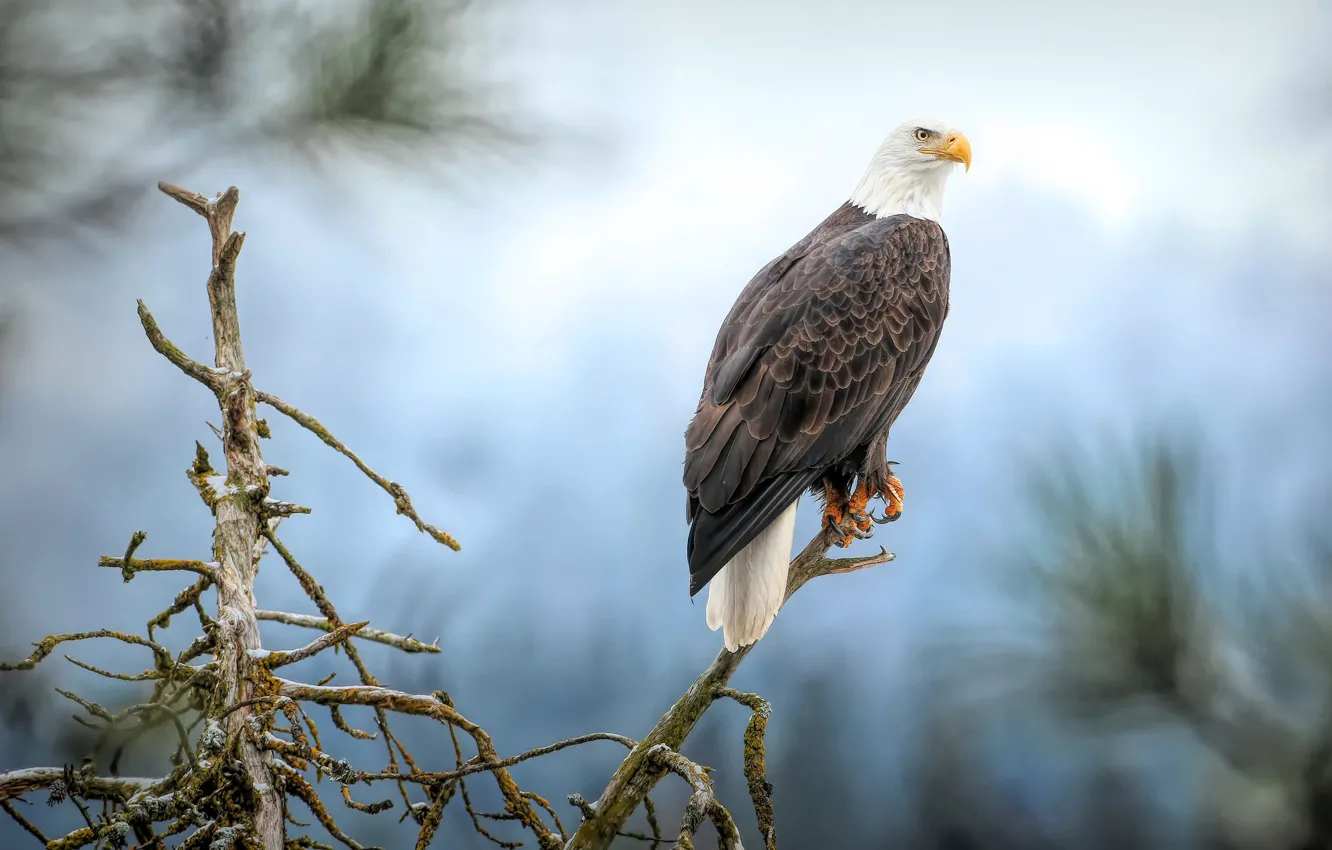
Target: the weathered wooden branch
pixel 406 643
pixel 238 509
pixel 438 707
pixel 130 566
pixel 756 768
pixel 703 804
pixel 635 777
pixel 16 783
pixel 401 500
pixel 274 660
pixel 47 645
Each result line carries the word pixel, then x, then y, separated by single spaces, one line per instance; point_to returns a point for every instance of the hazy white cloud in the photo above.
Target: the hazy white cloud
pixel 1171 108
pixel 743 124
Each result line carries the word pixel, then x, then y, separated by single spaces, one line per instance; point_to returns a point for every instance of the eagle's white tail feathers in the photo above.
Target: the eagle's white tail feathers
pixel 744 596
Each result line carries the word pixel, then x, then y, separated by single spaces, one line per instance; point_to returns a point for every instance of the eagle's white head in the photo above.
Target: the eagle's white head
pixel 908 171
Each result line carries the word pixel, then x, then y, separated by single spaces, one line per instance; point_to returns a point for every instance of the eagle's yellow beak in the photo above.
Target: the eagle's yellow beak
pixel 954 147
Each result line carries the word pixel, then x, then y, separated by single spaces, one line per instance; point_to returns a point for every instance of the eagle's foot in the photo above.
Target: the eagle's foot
pixel 846 514
pixel 893 494
pixel 839 516
pixel 857 510
pixel 860 526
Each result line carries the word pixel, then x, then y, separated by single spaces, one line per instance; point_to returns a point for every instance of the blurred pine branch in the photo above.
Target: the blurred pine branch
pixel 1118 571
pixel 1148 610
pixel 98 100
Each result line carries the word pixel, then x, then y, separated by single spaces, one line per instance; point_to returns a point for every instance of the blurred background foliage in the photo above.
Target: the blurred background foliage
pixel 99 101
pixel 166 86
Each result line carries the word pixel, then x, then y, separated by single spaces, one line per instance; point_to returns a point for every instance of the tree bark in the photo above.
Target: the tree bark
pixel 238 510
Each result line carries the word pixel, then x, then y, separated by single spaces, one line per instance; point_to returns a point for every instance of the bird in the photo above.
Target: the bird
pixel 811 367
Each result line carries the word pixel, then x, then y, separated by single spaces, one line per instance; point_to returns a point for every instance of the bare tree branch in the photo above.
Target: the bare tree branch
pixel 274 660
pixel 47 645
pixel 634 778
pixel 394 489
pixel 16 783
pixel 756 768
pixel 703 803
pixel 405 643
pixel 157 565
pixel 484 766
pixel 237 511
pixel 27 825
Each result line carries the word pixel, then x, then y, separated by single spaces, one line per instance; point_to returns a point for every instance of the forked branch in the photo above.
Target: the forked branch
pixel 635 778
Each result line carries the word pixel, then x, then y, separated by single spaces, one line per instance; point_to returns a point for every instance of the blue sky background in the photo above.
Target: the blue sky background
pixel 1141 240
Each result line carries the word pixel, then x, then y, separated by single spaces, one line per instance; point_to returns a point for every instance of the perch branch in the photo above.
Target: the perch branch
pixel 634 778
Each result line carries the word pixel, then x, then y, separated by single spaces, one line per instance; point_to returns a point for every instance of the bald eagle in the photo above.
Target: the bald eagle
pixel 815 361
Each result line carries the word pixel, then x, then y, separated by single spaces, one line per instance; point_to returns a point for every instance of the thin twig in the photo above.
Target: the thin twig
pixel 185 599
pixel 49 643
pixel 274 660
pixel 92 708
pixel 702 803
pixel 756 769
pixel 394 489
pixel 27 825
pixel 486 766
pixel 165 347
pixel 307 794
pixel 405 643
pixel 158 565
pixel 16 783
pixel 370 809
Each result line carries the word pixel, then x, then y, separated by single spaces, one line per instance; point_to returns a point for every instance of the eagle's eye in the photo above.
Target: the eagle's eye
pixel 922 135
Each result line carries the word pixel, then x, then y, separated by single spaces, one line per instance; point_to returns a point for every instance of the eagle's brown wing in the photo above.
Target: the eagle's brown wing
pixel 820 353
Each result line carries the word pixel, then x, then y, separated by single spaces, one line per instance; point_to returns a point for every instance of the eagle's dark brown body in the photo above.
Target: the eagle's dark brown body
pixel 813 364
